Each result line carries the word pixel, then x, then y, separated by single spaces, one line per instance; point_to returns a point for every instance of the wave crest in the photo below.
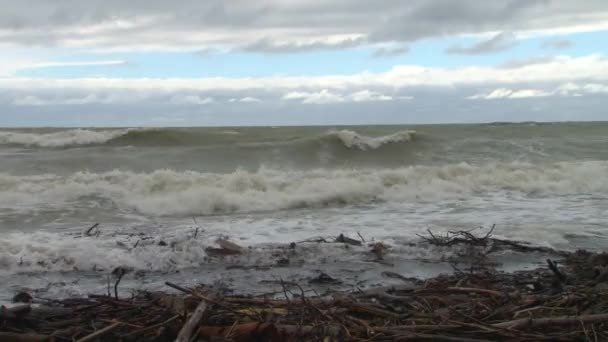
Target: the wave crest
pixel 354 140
pixel 72 137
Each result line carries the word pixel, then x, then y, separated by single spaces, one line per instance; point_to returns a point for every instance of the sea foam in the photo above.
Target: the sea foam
pixel 183 193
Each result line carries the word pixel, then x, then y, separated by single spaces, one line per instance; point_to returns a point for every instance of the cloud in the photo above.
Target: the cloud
pixel 11 66
pixel 76 64
pixel 321 97
pixel 244 99
pixel 279 26
pixel 566 89
pixel 325 96
pixel 558 70
pixel 558 44
pixel 33 100
pixel 524 62
pixel 249 99
pixel 366 96
pixel 500 42
pixel 574 89
pixel 504 93
pixel 328 43
pixel 191 99
pixel 390 51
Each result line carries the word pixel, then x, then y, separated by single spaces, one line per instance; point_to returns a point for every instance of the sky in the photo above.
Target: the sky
pixel 301 62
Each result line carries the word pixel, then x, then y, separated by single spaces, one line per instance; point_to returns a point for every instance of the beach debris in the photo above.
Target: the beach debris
pixel 225 248
pixel 324 278
pixel 343 239
pixel 89 232
pixel 283 262
pixel 490 306
pixel 22 297
pixel 379 249
pixel 461 306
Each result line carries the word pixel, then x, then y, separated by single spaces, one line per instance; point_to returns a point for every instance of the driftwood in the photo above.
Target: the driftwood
pixel 187 330
pixel 542 322
pixel 99 333
pixel 15 337
pixel 226 248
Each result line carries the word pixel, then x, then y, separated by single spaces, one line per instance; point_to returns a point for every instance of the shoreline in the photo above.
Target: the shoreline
pixel 567 299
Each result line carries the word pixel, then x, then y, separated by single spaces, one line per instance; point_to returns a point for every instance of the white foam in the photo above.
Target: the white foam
pixel 352 139
pixel 72 137
pixel 46 251
pixel 167 192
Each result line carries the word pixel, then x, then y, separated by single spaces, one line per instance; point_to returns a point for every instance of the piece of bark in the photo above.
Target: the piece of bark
pixel 231 246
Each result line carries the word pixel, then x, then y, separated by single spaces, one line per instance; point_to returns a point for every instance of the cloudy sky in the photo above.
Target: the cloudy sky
pixel 299 62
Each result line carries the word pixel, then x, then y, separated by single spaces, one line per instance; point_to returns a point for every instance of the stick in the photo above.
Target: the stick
pixel 121 273
pixel 362 239
pixel 99 333
pixel 16 337
pixel 556 321
pixel 553 267
pixel 186 333
pixel 88 232
pixel 158 325
pixel 476 290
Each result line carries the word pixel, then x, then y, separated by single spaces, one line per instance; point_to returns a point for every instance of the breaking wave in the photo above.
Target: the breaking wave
pixel 72 137
pixel 191 137
pixel 354 140
pixel 172 193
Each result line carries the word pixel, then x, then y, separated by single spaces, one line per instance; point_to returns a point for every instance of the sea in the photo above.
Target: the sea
pixel 161 196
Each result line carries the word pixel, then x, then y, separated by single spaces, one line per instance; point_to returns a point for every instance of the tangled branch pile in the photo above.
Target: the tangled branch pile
pixel 558 303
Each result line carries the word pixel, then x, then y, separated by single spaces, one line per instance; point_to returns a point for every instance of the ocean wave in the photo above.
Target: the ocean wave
pixel 173 193
pixel 72 137
pixel 192 137
pixel 354 140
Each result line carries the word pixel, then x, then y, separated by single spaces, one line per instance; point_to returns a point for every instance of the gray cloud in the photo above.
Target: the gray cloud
pixel 499 42
pixel 390 51
pixel 275 26
pixel 266 45
pixel 522 62
pixel 557 44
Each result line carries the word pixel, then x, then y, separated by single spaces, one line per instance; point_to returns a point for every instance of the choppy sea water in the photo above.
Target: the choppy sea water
pixel 545 184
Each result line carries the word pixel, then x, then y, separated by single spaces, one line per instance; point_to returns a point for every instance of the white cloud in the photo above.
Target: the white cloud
pixel 559 70
pixel 249 99
pixel 75 63
pixel 191 99
pixel 325 96
pixel 321 97
pixel 566 89
pixel 9 66
pixel 504 93
pixel 32 100
pixel 366 95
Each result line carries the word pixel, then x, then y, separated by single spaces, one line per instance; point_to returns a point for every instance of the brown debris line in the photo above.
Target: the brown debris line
pixel 565 301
